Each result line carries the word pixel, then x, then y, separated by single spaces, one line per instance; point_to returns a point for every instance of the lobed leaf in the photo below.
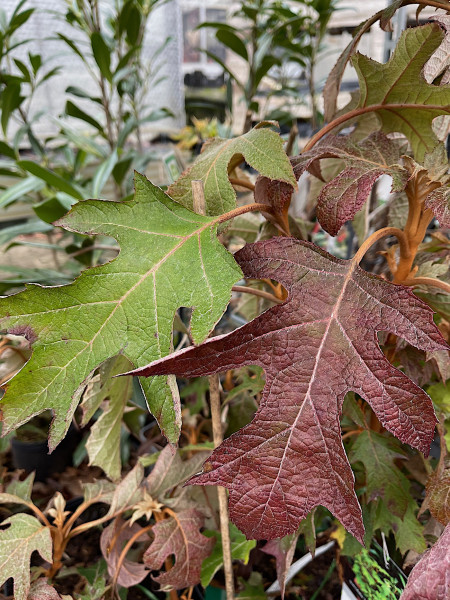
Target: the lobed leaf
pixel 314 348
pixel 261 147
pixel 17 543
pixel 430 578
pixel 179 535
pixel 169 258
pixel 399 82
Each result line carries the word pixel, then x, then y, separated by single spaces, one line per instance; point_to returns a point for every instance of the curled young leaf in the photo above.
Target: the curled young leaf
pixel 341 198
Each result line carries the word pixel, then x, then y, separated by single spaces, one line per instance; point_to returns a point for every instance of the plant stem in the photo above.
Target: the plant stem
pixel 256 292
pixel 40 515
pixel 419 217
pixel 241 210
pixel 242 183
pixel 381 233
pixel 363 110
pixel 199 206
pixel 124 552
pixel 214 398
pixel 428 281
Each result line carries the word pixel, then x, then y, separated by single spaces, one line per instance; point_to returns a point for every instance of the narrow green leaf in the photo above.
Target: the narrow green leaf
pixel 20 189
pixel 73 111
pixel 102 174
pixel 233 42
pixel 72 45
pixel 102 55
pixel 76 91
pixel 10 100
pixel 23 69
pixel 51 210
pixel 51 178
pixel 31 226
pixel 6 150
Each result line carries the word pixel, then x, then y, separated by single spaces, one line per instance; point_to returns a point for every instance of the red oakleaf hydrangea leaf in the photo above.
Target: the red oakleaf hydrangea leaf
pixel 430 578
pixel 439 202
pixel 112 542
pixel 314 348
pixel 179 535
pixel 341 198
pixel 283 550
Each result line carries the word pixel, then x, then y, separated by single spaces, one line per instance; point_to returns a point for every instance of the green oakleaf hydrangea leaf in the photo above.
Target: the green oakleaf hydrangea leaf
pixel 262 148
pixel 400 81
pixel 17 543
pixel 103 444
pixel 383 477
pixel 169 258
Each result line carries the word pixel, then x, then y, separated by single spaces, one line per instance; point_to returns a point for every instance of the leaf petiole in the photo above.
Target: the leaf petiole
pixel 378 235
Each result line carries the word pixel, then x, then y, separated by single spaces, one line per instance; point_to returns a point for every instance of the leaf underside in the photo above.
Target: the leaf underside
pixel 314 348
pixel 341 198
pixel 169 258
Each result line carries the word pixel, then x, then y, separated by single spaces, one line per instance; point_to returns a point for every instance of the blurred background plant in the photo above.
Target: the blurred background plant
pixel 279 41
pixel 49 175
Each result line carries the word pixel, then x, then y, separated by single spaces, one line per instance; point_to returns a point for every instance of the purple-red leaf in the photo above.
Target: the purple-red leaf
pixel 314 348
pixel 112 542
pixel 439 202
pixel 341 198
pixel 283 550
pixel 430 578
pixel 179 535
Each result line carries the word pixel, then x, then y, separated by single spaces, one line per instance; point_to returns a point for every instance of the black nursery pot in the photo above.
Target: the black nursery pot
pixel 34 456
